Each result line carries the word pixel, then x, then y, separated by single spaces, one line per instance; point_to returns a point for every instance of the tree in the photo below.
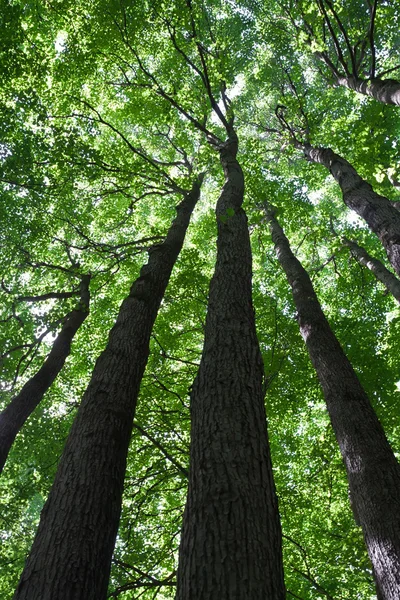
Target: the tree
pixel 381 216
pixel 379 212
pixel 98 443
pixel 231 516
pixel 95 151
pixel 23 404
pixel 378 269
pixel 349 50
pixel 372 469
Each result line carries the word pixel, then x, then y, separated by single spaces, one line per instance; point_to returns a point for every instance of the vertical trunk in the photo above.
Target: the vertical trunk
pixel 382 90
pixel 378 212
pixel 13 417
pixel 372 470
pixel 231 538
pixel 378 269
pixel 71 554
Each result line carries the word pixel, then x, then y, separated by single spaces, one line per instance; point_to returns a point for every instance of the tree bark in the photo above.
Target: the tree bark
pixel 377 211
pixel 231 538
pixel 13 417
pixel 382 90
pixel 71 555
pixel 376 267
pixel 372 469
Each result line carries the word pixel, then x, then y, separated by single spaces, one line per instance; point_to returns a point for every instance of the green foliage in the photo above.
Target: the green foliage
pixel 93 160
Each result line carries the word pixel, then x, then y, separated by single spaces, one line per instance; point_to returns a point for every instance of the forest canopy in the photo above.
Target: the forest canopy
pixel 130 130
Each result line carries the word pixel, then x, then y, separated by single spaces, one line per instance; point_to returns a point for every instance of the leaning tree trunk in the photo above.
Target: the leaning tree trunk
pixel 372 469
pixel 378 212
pixel 381 273
pixel 71 554
pixel 231 539
pixel 382 90
pixel 13 417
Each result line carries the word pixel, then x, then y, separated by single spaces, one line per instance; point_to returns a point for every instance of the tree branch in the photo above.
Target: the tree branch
pixel 167 455
pixel 48 296
pixel 371 34
pixel 335 40
pixel 344 32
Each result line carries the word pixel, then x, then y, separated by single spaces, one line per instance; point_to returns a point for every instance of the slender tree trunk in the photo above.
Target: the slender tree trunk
pixel 376 267
pixel 382 90
pixel 71 555
pixel 231 539
pixel 13 417
pixel 378 212
pixel 372 470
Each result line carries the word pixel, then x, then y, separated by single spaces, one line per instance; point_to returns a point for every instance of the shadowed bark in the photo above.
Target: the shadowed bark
pixel 231 538
pixel 372 469
pixel 376 267
pixel 71 554
pixel 377 211
pixel 13 417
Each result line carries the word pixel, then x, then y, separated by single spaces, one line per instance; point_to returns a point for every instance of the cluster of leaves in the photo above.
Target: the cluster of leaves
pixel 93 160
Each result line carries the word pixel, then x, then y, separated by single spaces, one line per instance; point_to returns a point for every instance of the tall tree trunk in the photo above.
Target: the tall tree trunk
pixel 231 538
pixel 378 212
pixel 372 470
pixel 13 417
pixel 376 267
pixel 382 90
pixel 72 551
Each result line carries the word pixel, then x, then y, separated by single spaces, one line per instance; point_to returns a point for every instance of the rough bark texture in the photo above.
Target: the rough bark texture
pixel 71 555
pixel 378 212
pixel 21 406
pixel 231 538
pixel 382 90
pixel 372 470
pixel 378 269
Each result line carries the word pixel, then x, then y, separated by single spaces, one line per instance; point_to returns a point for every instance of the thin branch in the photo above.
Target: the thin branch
pixel 299 99
pixel 322 267
pixel 387 71
pixel 167 455
pixel 371 33
pixel 344 32
pixel 37 265
pixel 333 37
pixel 139 583
pixel 106 247
pixel 308 576
pixel 168 357
pixel 33 349
pixel 14 349
pixel 325 58
pixel 314 583
pixel 181 151
pixel 360 46
pixel 172 35
pixel 160 90
pixel 166 389
pixel 48 296
pixel 134 149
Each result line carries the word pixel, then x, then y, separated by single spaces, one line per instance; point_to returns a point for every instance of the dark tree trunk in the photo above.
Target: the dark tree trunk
pixel 372 470
pixel 382 90
pixel 231 538
pixel 378 212
pixel 21 406
pixel 71 555
pixel 376 267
